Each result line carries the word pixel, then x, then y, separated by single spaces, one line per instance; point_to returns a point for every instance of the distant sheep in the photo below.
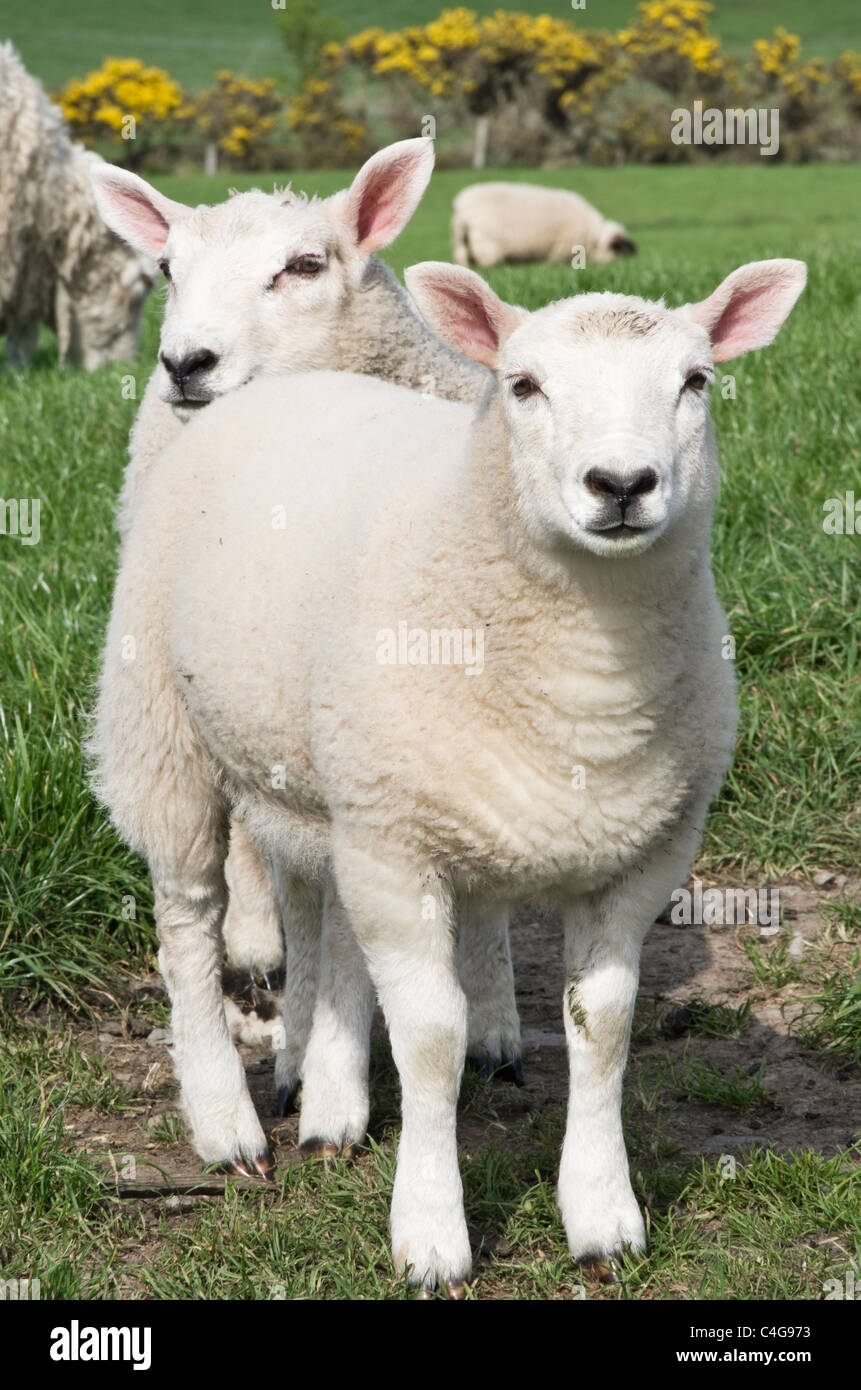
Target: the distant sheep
pixel 261 285
pixel 496 222
pixel 59 264
pixel 566 519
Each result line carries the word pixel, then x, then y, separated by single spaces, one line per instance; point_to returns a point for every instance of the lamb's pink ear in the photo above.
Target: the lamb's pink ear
pixel 386 192
pixel 462 309
pixel 749 307
pixel 134 210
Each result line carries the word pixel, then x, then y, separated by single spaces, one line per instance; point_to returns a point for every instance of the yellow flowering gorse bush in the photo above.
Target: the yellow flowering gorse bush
pixel 99 105
pixel 546 84
pixel 460 55
pixel 328 133
pixel 239 115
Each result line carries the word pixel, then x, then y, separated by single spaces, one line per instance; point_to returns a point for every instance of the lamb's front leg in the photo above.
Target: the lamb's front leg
pixel 485 972
pixel 410 957
pixel 603 936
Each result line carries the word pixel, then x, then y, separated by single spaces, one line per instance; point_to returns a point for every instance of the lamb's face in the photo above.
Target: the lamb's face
pixel 255 286
pixel 606 398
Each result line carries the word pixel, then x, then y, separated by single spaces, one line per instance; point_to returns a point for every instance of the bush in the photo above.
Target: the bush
pixel 540 87
pixel 126 104
pixel 329 136
pixel 241 118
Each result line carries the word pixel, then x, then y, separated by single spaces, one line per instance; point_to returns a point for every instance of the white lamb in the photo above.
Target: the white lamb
pixel 262 285
pixel 567 520
pixel 59 264
pixel 495 222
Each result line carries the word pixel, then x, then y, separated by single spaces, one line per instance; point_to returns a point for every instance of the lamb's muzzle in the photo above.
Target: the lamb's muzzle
pixel 187 373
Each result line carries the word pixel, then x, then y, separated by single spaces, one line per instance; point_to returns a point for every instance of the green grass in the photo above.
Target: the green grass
pixel 771 965
pixel 194 40
pixel 830 1018
pixel 733 1089
pixel 765 1227
pixel 712 1020
pixel 57 1223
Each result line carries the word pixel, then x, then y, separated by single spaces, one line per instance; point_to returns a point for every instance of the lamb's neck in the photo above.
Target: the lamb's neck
pixel 383 336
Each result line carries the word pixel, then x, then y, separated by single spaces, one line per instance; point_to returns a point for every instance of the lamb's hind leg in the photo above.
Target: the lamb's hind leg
pixel 300 904
pixel 485 972
pixel 190 900
pixel 252 930
pixel 335 1100
pixel 253 943
pixel 155 776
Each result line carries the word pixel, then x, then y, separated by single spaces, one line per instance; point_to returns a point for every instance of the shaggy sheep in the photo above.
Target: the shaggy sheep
pixel 262 285
pixel 59 265
pixel 495 222
pixel 566 520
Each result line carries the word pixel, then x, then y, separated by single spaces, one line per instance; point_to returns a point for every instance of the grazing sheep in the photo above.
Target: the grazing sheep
pixel 495 222
pixel 567 520
pixel 59 264
pixel 262 285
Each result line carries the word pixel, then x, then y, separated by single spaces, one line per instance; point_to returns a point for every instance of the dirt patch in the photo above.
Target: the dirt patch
pixel 797 1098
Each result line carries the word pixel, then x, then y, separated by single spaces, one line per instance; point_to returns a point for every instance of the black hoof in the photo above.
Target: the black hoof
pixel 263 1166
pixel 510 1070
pixel 287 1099
pixel 480 1063
pixel 455 1289
pixel 319 1148
pixel 604 1269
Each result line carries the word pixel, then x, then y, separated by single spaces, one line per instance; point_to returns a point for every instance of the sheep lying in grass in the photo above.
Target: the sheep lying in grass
pixel 262 285
pixel 59 265
pixel 495 222
pixel 567 519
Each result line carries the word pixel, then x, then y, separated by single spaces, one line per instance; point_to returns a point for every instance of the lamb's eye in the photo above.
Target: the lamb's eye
pixel 523 386
pixel 164 267
pixel 696 381
pixel 304 266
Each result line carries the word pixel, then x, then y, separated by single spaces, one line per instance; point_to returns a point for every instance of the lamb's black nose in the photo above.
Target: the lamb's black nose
pixel 199 361
pixel 621 488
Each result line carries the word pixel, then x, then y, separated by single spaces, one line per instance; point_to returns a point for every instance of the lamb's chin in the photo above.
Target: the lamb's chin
pixel 185 410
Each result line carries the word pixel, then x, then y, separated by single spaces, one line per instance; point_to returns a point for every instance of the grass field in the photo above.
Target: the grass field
pixel 789 440
pixel 58 40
